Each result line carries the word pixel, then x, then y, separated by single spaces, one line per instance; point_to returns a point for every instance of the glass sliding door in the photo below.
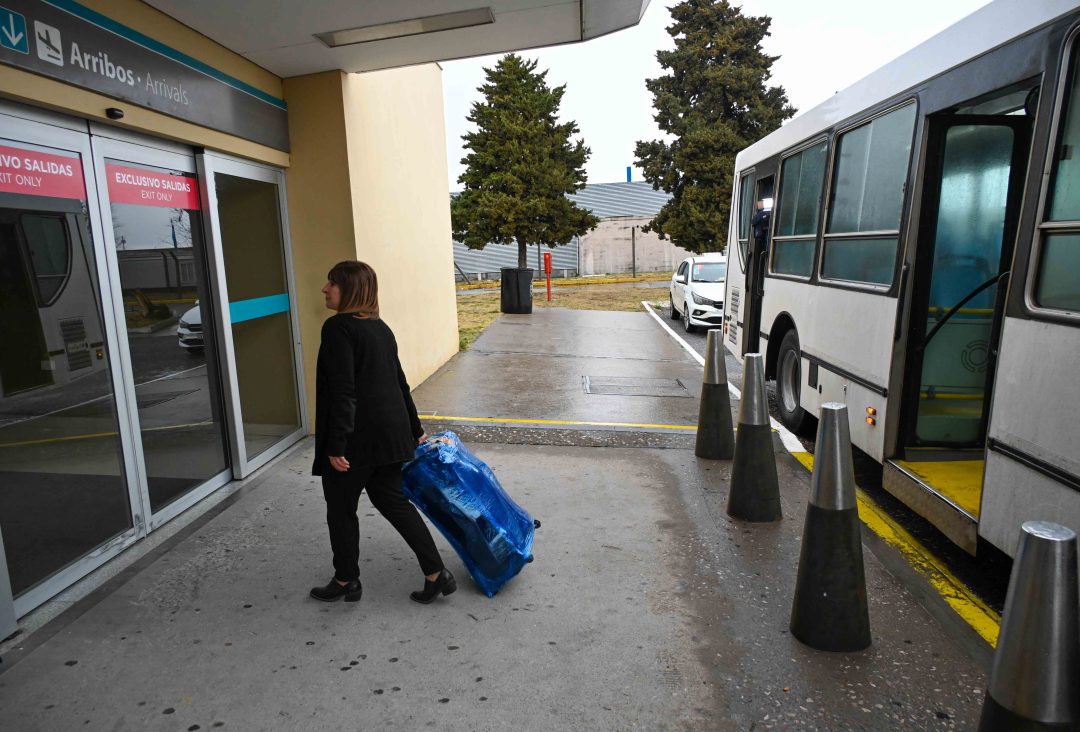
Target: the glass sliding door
pixel 248 224
pixel 65 496
pixel 154 228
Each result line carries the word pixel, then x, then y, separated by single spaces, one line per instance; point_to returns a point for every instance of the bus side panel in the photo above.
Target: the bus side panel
pixel 72 323
pixel 1036 392
pixel 848 330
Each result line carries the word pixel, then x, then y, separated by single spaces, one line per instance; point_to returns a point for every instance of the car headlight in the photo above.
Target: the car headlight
pixel 699 300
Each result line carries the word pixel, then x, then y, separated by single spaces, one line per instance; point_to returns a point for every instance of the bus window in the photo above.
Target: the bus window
pixel 746 211
pixel 50 254
pixel 1057 284
pixel 867 197
pixel 801 178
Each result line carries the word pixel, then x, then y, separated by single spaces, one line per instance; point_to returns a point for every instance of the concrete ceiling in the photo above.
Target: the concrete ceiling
pixel 279 35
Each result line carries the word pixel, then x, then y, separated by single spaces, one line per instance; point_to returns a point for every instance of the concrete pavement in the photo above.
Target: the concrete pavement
pixel 646 608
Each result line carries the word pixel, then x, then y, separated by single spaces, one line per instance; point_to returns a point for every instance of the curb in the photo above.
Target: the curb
pixel 974 613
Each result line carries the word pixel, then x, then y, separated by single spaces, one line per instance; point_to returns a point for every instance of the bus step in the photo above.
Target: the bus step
pixel 944 492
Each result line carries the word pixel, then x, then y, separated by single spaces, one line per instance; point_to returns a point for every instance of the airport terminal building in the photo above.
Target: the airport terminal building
pixel 176 178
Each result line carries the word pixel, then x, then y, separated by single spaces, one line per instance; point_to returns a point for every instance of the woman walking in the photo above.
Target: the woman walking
pixel 366 426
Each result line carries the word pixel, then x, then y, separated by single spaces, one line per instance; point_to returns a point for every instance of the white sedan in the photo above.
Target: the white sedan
pixel 697 292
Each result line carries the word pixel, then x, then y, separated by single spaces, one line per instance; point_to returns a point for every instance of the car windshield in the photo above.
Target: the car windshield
pixel 709 272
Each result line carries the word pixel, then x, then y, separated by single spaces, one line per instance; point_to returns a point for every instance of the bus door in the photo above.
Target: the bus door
pixel 975 174
pixel 24 357
pixel 975 168
pixel 756 264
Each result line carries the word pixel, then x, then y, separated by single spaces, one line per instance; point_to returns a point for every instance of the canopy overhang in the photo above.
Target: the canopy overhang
pixel 292 38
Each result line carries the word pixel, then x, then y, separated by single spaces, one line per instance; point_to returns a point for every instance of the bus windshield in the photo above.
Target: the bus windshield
pixel 709 272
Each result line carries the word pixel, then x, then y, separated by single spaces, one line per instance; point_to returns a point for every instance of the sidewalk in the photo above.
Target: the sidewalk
pixel 646 608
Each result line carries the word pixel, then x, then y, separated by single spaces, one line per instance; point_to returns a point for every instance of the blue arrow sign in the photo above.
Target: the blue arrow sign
pixel 13 31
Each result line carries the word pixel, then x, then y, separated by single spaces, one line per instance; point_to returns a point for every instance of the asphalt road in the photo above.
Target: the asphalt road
pixel 987 575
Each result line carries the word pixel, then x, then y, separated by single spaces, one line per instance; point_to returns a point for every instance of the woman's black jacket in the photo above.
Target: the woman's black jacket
pixel 363 409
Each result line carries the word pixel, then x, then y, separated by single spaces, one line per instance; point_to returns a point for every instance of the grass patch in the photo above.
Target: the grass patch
pixel 477 312
pixel 599 297
pixel 474 313
pixel 612 279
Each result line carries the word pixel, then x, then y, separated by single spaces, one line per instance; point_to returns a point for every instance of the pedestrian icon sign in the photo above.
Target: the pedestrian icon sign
pixel 13 31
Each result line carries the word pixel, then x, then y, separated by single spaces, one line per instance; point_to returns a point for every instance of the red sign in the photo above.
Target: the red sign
pixel 40 174
pixel 150 188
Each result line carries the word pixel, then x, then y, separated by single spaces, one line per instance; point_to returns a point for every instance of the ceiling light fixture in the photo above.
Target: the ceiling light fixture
pixel 412 27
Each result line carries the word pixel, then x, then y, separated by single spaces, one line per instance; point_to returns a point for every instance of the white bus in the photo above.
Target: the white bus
pixel 923 267
pixel 50 323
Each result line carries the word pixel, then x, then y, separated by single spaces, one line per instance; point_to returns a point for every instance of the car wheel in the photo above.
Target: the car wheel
pixel 672 312
pixel 686 321
pixel 789 383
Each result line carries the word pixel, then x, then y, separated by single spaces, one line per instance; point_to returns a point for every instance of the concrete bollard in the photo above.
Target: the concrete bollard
pixel 755 490
pixel 830 611
pixel 1036 673
pixel 715 436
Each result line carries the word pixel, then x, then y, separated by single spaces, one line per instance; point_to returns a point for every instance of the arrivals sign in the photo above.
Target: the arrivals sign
pixel 70 42
pixel 36 173
pixel 150 188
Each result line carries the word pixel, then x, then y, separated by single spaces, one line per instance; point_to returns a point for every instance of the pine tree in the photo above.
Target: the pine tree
pixel 521 164
pixel 714 102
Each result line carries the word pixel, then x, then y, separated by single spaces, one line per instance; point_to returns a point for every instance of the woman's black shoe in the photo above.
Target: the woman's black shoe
pixel 333 590
pixel 444 583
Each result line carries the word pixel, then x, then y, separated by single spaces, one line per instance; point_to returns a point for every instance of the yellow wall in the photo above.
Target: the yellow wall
pixel 320 202
pixel 40 91
pixel 401 209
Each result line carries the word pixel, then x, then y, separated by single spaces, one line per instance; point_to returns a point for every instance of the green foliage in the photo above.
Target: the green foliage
pixel 714 102
pixel 521 164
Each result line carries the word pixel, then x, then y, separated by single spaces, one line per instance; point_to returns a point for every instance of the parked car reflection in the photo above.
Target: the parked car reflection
pixel 189 330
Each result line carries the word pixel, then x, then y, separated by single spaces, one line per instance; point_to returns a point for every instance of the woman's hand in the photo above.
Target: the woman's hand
pixel 421 438
pixel 339 464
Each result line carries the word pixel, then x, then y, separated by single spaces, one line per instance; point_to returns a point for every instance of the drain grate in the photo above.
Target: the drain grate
pixel 634 386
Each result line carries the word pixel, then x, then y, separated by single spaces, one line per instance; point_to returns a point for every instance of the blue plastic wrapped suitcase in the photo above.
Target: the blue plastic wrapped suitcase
pixel 460 495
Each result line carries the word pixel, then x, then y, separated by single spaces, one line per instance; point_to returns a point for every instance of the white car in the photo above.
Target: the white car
pixel 697 292
pixel 189 330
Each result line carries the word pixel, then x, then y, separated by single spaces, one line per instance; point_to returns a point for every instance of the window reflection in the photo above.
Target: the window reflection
pixel 157 229
pixel 61 491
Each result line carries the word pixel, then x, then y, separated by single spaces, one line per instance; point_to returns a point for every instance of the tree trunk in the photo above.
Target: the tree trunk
pixel 523 254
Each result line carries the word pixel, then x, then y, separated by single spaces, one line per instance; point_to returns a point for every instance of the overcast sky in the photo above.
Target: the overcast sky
pixel 824 46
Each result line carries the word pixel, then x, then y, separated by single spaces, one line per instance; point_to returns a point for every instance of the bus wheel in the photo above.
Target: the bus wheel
pixel 789 382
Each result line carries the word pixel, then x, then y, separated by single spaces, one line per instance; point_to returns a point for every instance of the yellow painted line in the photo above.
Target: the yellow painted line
pixel 511 420
pixel 964 603
pixel 96 435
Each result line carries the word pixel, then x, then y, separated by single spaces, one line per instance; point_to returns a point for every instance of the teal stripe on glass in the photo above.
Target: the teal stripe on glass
pixel 149 43
pixel 258 307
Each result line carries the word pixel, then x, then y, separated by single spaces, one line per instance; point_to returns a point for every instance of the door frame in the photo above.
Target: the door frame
pixel 23 125
pixel 138 150
pixel 209 164
pixel 922 270
pixel 757 262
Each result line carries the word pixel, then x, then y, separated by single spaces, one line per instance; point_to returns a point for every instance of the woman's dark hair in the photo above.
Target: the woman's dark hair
pixel 359 288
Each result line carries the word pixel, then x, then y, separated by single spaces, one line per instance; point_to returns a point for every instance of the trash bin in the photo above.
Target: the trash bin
pixel 516 290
